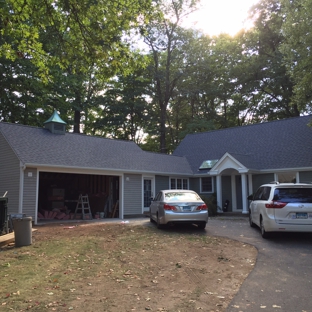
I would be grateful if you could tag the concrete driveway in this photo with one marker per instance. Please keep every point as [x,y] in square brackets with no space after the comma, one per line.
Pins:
[282,277]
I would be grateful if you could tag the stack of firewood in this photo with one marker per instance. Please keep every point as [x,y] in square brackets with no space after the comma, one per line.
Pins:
[56,214]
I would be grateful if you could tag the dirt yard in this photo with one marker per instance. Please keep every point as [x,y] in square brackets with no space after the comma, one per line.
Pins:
[141,268]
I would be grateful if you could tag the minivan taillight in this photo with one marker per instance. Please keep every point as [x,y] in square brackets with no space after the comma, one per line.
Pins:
[168,207]
[202,207]
[276,205]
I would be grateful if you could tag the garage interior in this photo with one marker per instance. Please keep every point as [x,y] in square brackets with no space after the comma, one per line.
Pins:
[60,196]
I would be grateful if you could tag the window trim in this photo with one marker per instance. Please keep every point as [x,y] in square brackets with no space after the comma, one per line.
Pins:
[182,183]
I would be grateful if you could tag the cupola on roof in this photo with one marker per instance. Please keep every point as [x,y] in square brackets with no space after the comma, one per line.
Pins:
[55,124]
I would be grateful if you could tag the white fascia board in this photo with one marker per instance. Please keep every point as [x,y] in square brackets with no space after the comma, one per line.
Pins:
[243,170]
[104,171]
[213,172]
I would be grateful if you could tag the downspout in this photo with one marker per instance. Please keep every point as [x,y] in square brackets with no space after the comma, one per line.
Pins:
[21,188]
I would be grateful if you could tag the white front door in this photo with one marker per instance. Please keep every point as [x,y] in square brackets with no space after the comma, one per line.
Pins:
[147,193]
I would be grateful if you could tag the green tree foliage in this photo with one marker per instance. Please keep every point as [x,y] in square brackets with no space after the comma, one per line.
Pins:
[297,50]
[193,104]
[73,46]
[265,80]
[123,109]
[21,101]
[162,36]
[84,31]
[77,56]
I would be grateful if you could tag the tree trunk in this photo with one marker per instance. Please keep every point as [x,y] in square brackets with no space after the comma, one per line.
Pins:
[163,112]
[77,118]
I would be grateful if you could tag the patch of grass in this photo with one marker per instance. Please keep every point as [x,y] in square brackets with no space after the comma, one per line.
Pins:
[43,274]
[38,275]
[88,268]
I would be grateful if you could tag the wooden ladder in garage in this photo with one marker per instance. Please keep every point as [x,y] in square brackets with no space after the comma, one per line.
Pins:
[83,207]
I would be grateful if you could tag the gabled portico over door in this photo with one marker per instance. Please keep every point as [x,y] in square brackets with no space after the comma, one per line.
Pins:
[230,166]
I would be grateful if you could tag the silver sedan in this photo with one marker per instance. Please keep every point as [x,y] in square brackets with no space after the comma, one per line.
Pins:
[178,206]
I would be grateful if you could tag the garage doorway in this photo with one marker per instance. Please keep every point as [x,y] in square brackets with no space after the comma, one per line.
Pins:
[59,193]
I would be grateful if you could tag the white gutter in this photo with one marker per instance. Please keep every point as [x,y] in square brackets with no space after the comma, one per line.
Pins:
[286,169]
[104,170]
[253,171]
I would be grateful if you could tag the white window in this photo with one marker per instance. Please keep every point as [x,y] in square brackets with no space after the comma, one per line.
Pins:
[286,177]
[206,185]
[178,184]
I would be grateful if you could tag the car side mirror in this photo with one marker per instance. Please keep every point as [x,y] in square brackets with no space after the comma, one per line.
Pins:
[250,197]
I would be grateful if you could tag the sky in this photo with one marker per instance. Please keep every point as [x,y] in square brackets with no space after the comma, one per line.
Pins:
[217,16]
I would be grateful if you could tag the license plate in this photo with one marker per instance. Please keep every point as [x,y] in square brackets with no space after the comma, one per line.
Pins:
[301,215]
[186,208]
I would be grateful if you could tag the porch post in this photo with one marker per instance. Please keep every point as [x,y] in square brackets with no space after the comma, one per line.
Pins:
[219,191]
[297,177]
[244,193]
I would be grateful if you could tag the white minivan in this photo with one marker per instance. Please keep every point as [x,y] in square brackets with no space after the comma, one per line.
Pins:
[281,207]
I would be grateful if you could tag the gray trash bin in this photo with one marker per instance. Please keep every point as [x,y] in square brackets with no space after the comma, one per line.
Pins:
[22,231]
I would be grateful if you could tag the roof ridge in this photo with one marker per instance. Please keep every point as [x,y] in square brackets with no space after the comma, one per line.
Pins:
[100,137]
[251,125]
[71,133]
[158,154]
[18,124]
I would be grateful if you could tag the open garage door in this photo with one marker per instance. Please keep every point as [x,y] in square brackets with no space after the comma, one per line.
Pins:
[59,194]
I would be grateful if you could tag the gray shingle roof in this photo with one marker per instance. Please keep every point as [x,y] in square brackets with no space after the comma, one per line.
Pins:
[271,145]
[39,146]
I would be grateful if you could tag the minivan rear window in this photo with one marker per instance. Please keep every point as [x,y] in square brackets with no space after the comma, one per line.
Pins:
[293,195]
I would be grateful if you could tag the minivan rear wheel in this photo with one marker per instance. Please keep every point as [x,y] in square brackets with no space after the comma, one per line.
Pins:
[264,234]
[250,220]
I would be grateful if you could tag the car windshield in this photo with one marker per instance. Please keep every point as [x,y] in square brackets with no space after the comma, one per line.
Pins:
[293,195]
[181,196]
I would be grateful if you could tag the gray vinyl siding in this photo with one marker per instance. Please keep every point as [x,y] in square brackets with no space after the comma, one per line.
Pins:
[9,175]
[305,176]
[161,183]
[194,184]
[30,193]
[259,179]
[133,194]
